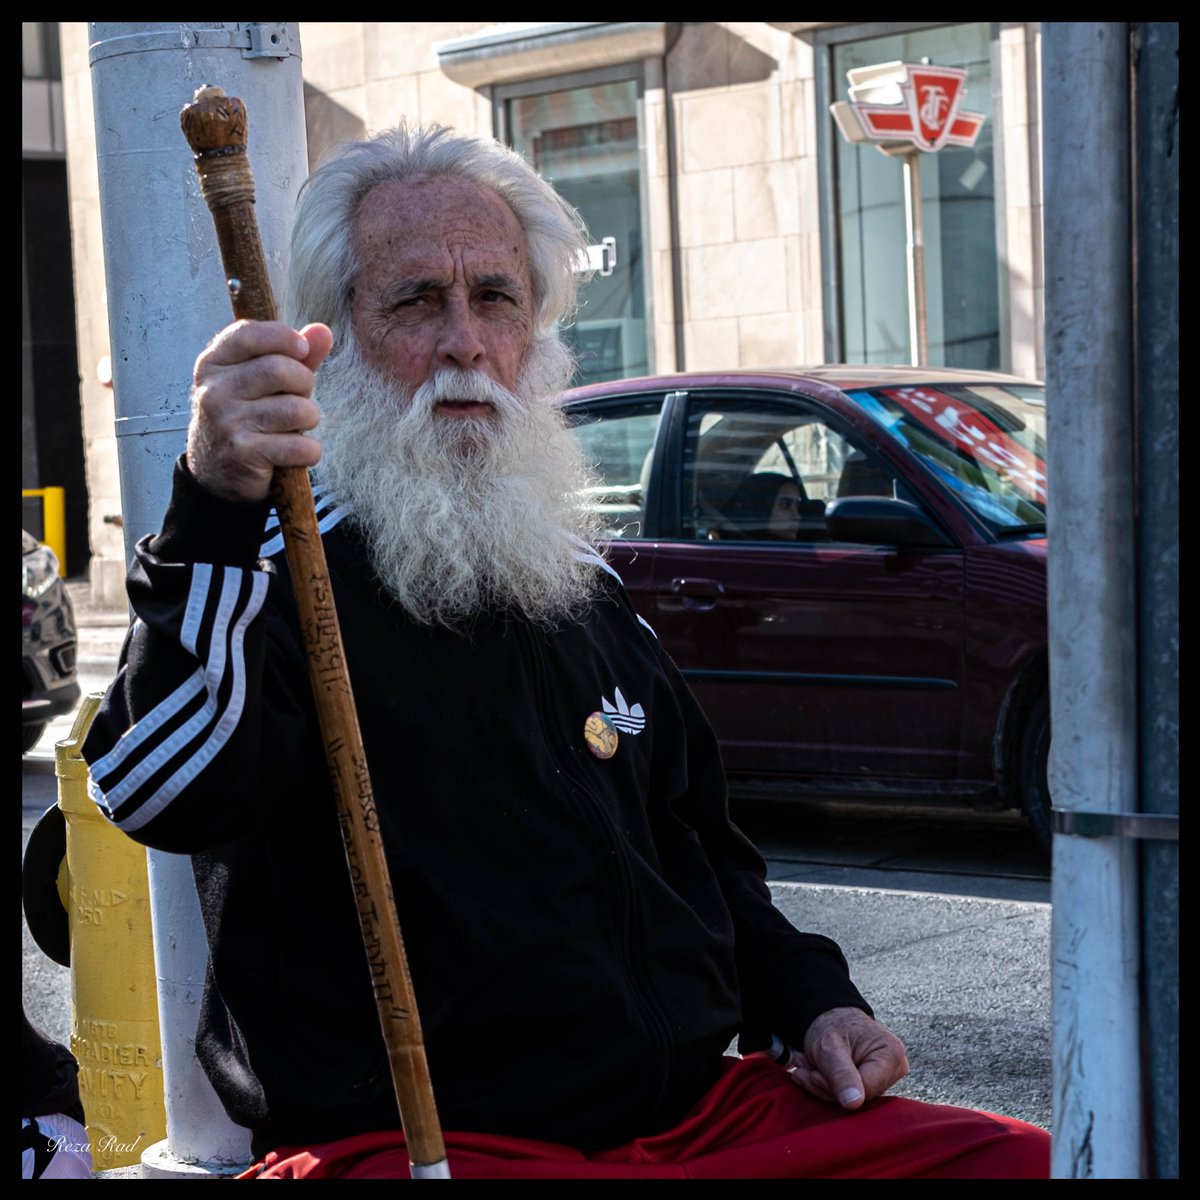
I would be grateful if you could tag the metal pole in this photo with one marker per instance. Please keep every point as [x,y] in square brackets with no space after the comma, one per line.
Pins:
[166,298]
[918,324]
[1157,175]
[1098,1118]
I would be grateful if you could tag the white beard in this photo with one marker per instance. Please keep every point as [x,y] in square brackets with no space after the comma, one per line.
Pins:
[462,515]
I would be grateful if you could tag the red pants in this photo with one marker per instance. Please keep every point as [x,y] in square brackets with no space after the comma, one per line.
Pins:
[753,1124]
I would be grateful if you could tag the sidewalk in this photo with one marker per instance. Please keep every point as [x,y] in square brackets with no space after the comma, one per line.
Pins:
[89,615]
[964,982]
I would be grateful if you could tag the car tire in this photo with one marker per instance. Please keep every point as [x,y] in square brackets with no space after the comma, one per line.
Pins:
[1032,777]
[31,735]
[45,916]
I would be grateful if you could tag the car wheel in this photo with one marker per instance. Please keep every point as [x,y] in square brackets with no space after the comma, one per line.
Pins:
[31,735]
[1032,780]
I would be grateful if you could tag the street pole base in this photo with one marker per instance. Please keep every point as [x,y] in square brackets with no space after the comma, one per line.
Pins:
[159,1163]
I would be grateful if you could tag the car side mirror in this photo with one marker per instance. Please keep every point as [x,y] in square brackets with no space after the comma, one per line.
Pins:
[879,521]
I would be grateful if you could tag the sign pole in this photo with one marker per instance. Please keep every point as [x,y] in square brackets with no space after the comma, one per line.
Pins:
[918,325]
[904,110]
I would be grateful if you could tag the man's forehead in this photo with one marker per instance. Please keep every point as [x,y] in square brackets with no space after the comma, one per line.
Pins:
[404,218]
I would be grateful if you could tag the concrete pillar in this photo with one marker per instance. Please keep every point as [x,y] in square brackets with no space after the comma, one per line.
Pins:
[1098,1121]
[166,298]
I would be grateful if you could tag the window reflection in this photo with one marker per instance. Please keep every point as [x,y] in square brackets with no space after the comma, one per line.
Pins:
[584,140]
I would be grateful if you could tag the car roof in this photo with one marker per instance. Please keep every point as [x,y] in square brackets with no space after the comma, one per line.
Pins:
[838,375]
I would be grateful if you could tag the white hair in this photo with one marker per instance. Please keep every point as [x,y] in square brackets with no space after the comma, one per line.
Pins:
[323,260]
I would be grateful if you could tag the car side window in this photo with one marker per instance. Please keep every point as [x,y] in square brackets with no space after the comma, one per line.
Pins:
[618,445]
[760,469]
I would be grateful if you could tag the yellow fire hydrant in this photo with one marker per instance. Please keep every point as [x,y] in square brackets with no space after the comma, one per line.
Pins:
[114,1001]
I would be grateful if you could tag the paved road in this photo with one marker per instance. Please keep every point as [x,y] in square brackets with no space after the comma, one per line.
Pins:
[900,847]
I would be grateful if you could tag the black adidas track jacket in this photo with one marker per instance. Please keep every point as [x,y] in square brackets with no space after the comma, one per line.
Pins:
[585,936]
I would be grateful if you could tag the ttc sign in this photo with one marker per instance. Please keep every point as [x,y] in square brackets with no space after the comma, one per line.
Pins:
[897,104]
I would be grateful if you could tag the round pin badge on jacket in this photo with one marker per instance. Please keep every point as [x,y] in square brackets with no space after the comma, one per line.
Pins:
[600,735]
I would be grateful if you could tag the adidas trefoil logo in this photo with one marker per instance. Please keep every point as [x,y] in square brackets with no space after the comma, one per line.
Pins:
[626,719]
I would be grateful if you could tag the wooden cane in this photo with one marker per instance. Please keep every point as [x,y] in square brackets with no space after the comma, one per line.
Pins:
[215,126]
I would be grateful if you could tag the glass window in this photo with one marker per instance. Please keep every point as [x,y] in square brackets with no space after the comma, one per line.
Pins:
[764,470]
[39,50]
[958,210]
[584,140]
[618,442]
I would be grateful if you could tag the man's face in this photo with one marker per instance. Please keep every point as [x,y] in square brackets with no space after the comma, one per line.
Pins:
[444,283]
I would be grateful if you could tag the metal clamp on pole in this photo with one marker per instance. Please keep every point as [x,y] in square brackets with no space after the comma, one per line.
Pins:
[255,39]
[1162,827]
[268,39]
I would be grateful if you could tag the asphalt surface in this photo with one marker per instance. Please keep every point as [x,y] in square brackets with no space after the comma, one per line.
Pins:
[956,964]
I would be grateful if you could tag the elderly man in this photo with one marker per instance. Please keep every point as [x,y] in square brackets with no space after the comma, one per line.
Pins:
[587,930]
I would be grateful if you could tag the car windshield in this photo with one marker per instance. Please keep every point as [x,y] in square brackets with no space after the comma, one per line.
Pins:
[986,443]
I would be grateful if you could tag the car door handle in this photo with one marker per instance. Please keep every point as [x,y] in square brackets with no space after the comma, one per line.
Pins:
[697,593]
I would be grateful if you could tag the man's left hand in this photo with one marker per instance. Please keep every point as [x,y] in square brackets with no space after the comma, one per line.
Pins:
[848,1058]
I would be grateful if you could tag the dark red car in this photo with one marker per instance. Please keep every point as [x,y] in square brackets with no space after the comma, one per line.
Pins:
[849,566]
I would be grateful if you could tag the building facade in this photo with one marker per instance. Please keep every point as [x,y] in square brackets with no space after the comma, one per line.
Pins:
[730,223]
[51,438]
